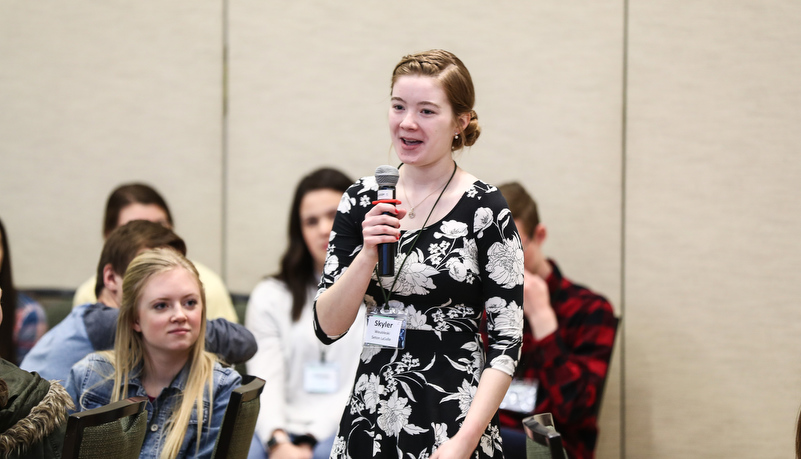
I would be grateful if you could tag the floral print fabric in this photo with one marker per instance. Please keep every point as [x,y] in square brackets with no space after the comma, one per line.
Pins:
[406,402]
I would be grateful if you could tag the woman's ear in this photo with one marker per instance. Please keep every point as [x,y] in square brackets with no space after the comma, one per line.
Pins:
[462,121]
[136,326]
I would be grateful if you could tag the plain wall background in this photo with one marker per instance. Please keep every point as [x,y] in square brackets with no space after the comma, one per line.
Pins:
[660,139]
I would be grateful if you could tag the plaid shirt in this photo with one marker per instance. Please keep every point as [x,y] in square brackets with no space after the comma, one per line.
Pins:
[570,364]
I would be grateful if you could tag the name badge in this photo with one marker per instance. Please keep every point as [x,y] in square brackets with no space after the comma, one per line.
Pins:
[321,378]
[521,397]
[385,330]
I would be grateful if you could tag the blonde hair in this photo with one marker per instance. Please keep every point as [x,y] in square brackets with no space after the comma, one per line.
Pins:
[455,80]
[129,351]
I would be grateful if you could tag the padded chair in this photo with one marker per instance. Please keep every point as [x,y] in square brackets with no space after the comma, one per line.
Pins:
[543,441]
[239,423]
[116,430]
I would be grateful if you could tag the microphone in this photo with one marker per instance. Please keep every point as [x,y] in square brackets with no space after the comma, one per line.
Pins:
[387,178]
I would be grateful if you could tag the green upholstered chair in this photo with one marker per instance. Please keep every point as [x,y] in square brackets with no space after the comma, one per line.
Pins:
[239,423]
[543,441]
[116,431]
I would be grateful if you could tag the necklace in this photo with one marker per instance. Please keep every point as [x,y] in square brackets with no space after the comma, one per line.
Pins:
[414,241]
[411,213]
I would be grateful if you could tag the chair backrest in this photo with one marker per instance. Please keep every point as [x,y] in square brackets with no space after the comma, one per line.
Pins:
[543,441]
[116,430]
[239,423]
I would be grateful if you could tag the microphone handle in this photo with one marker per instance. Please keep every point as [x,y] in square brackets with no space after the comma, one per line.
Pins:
[386,250]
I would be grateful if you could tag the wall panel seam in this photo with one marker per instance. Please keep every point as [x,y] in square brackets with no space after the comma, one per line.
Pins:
[623,184]
[224,149]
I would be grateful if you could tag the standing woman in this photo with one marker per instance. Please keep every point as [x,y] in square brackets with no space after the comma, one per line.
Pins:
[307,383]
[157,353]
[459,255]
[26,320]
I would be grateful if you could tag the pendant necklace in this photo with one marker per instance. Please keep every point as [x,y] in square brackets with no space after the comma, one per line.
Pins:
[411,213]
[414,241]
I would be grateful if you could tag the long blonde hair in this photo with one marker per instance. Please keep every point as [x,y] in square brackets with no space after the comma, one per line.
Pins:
[129,349]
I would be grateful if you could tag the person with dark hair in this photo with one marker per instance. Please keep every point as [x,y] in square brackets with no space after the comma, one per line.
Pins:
[138,201]
[33,413]
[135,201]
[425,387]
[91,327]
[26,320]
[567,343]
[290,358]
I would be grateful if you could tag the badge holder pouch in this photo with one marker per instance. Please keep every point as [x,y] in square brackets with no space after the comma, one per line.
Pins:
[321,377]
[521,397]
[386,328]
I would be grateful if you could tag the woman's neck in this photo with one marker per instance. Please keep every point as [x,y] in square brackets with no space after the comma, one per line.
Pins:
[432,197]
[160,370]
[424,176]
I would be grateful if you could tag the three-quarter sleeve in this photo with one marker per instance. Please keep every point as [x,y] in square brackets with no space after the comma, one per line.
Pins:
[345,241]
[501,267]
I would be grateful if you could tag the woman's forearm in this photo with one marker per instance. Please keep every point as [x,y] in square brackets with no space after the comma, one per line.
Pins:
[338,306]
[489,394]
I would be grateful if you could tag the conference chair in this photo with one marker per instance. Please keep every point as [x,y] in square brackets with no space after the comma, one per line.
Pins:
[116,430]
[239,423]
[543,441]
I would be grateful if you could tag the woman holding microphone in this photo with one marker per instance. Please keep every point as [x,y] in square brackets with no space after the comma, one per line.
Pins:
[425,387]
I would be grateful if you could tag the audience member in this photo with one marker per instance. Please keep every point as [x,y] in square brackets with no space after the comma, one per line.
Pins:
[26,321]
[91,327]
[307,383]
[33,413]
[159,352]
[137,201]
[567,342]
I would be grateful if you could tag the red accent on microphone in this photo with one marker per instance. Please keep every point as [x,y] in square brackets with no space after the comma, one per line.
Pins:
[388,201]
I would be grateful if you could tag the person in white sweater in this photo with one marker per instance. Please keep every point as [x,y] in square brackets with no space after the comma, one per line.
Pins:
[307,383]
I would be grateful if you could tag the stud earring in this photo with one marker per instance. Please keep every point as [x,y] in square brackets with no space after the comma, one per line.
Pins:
[456,136]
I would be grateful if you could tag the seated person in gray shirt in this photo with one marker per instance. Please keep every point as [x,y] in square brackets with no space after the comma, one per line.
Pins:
[91,327]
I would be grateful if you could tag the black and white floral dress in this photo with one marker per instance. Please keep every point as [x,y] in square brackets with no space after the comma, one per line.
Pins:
[406,402]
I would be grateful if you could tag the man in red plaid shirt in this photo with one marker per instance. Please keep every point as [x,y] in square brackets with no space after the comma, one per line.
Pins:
[568,336]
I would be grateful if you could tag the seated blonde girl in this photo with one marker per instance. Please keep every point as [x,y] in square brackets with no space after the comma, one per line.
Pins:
[157,353]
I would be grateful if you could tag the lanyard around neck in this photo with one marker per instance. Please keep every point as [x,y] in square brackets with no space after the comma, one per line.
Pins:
[384,292]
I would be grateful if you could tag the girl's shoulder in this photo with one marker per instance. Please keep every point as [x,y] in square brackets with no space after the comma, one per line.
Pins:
[359,197]
[97,362]
[480,194]
[226,379]
[362,186]
[479,188]
[226,376]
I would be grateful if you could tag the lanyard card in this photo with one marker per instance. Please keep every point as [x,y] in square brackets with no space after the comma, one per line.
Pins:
[521,397]
[386,330]
[321,377]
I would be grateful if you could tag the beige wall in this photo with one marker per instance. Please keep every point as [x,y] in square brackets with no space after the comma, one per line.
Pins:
[659,138]
[713,263]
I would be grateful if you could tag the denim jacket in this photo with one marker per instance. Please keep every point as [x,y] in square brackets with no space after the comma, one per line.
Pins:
[91,382]
[91,327]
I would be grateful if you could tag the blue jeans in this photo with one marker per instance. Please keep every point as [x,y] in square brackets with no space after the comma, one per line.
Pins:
[321,451]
